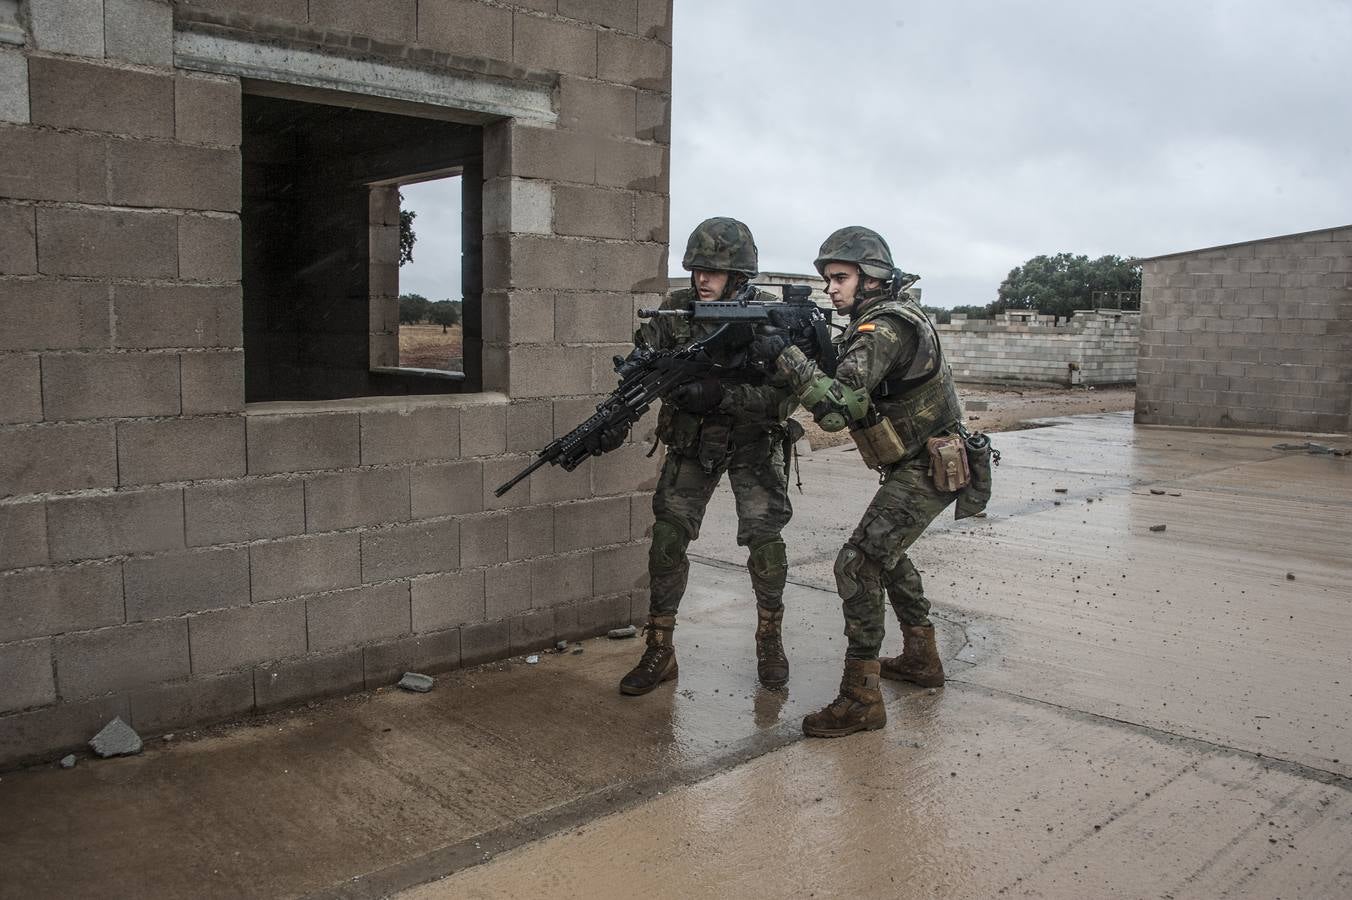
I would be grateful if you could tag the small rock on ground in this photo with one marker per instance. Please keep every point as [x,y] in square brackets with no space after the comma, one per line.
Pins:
[627,631]
[1158,527]
[417,682]
[532,659]
[68,762]
[116,739]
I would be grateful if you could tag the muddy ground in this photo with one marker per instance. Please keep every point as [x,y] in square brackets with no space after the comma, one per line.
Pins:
[1008,409]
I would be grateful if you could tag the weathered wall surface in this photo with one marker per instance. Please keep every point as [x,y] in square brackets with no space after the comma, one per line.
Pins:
[1255,335]
[1092,348]
[171,554]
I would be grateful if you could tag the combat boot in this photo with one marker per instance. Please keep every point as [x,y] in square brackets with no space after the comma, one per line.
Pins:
[919,661]
[858,708]
[658,663]
[772,666]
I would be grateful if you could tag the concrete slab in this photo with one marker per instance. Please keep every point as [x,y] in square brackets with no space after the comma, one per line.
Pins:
[1128,714]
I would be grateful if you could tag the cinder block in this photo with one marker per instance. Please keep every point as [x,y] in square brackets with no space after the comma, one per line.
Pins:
[417,549]
[177,316]
[621,569]
[544,153]
[13,87]
[384,664]
[209,248]
[410,435]
[448,600]
[637,61]
[100,242]
[597,108]
[67,26]
[507,590]
[307,565]
[125,522]
[177,583]
[23,535]
[638,268]
[550,371]
[180,450]
[594,317]
[40,603]
[73,167]
[212,382]
[625,470]
[284,683]
[532,630]
[654,19]
[530,426]
[517,205]
[483,430]
[480,644]
[198,701]
[466,28]
[600,615]
[101,385]
[638,167]
[244,510]
[111,659]
[18,234]
[385,20]
[553,485]
[591,523]
[22,399]
[518,317]
[293,11]
[530,533]
[359,497]
[552,46]
[358,616]
[43,734]
[545,263]
[139,31]
[654,117]
[299,443]
[591,212]
[207,110]
[174,175]
[447,489]
[561,579]
[498,471]
[65,93]
[483,540]
[229,638]
[610,13]
[26,675]
[641,517]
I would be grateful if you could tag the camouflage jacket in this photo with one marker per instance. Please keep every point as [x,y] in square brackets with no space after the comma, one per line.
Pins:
[753,406]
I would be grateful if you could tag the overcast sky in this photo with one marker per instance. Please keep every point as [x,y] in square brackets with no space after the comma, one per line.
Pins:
[976,135]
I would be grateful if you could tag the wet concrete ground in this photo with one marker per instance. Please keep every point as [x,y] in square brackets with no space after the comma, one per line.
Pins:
[1129,713]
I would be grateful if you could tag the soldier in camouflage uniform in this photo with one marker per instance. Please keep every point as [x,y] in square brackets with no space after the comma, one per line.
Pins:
[891,369]
[711,427]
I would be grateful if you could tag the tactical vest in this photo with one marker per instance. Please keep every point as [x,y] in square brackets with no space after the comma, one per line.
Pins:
[920,401]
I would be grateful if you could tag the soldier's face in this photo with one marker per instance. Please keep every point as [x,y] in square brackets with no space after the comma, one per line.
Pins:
[842,283]
[709,283]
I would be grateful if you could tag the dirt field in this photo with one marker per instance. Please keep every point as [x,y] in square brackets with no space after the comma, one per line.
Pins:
[1008,409]
[425,347]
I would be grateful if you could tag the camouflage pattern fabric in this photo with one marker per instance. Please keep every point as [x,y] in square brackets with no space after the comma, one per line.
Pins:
[722,244]
[859,245]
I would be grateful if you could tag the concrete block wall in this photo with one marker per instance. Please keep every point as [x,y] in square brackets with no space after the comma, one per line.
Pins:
[1091,348]
[1254,335]
[173,555]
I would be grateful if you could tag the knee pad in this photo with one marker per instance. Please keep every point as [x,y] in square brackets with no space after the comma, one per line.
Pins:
[667,553]
[854,572]
[768,559]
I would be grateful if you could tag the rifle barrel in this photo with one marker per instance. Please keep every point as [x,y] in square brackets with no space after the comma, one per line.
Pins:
[520,476]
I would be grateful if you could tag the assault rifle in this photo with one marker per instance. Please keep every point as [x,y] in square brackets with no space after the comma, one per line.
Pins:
[648,375]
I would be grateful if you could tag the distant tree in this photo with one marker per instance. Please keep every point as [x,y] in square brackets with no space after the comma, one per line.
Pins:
[972,312]
[413,308]
[406,236]
[937,316]
[445,313]
[1058,285]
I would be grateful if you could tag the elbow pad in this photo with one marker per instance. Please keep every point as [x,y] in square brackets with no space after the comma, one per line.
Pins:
[832,404]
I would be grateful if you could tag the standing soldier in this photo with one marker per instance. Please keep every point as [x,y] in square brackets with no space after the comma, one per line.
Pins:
[711,427]
[893,389]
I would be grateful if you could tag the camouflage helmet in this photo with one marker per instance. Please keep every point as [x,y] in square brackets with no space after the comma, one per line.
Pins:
[722,244]
[859,245]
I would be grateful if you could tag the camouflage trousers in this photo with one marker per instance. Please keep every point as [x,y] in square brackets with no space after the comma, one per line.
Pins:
[874,560]
[760,488]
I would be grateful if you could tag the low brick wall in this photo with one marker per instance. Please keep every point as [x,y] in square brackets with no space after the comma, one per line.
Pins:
[1091,348]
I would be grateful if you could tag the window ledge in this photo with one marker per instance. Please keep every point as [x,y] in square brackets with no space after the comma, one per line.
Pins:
[375,404]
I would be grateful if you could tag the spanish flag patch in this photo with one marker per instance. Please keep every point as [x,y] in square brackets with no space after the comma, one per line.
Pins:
[867,326]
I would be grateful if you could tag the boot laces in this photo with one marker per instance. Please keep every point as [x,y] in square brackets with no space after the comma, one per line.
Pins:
[770,647]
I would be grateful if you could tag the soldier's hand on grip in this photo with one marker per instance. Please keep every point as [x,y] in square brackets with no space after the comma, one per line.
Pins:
[699,397]
[768,344]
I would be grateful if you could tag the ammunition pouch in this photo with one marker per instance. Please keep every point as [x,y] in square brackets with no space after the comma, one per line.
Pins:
[879,446]
[948,463]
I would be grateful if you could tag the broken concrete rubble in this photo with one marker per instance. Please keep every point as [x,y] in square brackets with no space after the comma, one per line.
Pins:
[116,739]
[417,682]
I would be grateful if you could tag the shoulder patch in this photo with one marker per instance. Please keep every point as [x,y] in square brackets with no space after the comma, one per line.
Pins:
[867,326]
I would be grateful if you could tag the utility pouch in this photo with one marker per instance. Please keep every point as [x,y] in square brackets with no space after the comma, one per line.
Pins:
[879,446]
[948,463]
[715,439]
[981,459]
[677,428]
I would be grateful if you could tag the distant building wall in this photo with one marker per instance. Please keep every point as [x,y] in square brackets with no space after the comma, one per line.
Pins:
[1254,335]
[170,553]
[1091,348]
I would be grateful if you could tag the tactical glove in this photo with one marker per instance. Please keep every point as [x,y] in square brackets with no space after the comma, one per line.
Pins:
[768,345]
[699,397]
[608,439]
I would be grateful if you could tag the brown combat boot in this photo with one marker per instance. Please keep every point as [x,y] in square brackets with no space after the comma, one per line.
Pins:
[858,708]
[919,661]
[659,660]
[772,666]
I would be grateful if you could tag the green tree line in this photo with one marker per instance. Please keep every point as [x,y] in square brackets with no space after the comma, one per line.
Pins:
[415,309]
[1054,286]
